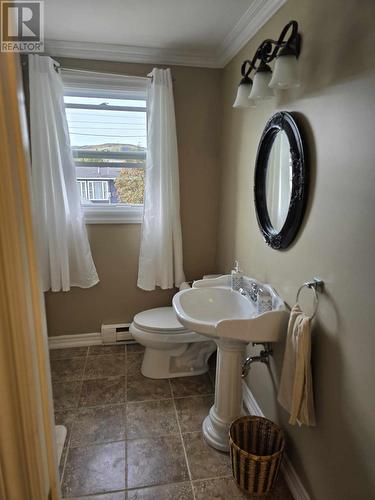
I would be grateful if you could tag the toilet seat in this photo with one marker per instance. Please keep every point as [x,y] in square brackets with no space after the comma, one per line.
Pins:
[161,320]
[162,326]
[146,337]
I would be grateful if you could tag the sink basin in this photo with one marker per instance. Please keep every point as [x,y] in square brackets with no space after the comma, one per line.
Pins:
[215,310]
[201,309]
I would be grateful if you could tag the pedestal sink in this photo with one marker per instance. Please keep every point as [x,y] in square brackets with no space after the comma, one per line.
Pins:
[213,309]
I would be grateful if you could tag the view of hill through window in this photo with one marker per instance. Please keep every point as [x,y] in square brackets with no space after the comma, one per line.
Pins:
[109,142]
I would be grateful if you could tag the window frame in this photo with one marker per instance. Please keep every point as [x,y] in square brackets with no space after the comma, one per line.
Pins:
[89,84]
[82,188]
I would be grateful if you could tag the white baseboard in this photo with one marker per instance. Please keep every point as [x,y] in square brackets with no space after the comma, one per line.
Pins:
[293,481]
[80,339]
[77,340]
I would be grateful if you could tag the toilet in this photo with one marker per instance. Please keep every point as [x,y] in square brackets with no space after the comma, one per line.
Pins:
[170,349]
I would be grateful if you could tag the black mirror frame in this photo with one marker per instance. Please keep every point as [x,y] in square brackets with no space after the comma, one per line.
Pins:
[282,239]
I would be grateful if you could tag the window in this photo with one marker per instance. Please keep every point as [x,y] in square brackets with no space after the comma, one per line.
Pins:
[107,120]
[97,191]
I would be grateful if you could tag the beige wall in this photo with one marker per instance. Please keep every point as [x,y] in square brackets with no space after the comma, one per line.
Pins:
[115,247]
[335,106]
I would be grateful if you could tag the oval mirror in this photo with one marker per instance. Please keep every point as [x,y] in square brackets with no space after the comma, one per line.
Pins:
[280,186]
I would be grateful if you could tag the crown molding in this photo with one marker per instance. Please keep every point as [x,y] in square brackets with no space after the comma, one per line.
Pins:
[128,53]
[249,24]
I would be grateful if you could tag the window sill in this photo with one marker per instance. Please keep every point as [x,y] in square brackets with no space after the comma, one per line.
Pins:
[115,214]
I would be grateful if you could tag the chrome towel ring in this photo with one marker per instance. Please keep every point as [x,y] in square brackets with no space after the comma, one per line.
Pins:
[316,284]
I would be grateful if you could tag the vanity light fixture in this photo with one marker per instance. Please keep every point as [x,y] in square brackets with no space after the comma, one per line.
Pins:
[262,78]
[244,89]
[285,73]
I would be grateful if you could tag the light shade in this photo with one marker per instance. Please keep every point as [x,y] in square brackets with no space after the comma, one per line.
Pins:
[285,73]
[242,98]
[261,89]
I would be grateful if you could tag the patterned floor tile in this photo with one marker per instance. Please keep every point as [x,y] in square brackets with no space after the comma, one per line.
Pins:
[108,406]
[192,411]
[155,461]
[66,395]
[146,389]
[107,365]
[121,495]
[217,489]
[94,469]
[135,347]
[69,352]
[103,391]
[65,370]
[98,425]
[205,461]
[133,364]
[95,350]
[181,491]
[151,419]
[192,386]
[227,489]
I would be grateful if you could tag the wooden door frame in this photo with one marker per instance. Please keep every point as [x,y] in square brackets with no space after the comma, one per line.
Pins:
[28,463]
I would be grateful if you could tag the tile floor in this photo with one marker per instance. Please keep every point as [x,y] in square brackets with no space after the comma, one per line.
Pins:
[132,438]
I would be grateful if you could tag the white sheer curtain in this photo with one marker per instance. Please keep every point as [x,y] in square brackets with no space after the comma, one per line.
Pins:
[62,244]
[160,259]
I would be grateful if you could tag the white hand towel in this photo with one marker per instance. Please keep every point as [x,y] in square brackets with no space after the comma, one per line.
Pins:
[296,388]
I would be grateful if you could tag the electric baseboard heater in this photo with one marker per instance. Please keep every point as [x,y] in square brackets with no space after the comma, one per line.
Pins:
[111,334]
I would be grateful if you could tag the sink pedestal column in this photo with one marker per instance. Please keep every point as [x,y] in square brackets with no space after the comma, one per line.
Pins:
[228,394]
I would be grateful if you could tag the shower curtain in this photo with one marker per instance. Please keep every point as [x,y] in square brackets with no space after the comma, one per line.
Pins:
[160,260]
[63,249]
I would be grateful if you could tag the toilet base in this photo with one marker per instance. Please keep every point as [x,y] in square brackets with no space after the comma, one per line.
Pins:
[184,360]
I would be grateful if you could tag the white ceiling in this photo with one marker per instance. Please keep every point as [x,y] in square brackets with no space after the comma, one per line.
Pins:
[197,32]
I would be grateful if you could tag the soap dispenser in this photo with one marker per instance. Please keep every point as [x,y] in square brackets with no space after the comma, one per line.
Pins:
[236,277]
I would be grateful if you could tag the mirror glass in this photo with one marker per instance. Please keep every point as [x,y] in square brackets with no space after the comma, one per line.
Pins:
[279,180]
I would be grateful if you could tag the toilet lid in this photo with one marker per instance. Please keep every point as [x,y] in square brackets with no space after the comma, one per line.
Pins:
[159,319]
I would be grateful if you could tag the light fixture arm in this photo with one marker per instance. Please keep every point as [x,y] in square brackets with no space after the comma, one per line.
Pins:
[246,68]
[292,44]
[285,50]
[281,46]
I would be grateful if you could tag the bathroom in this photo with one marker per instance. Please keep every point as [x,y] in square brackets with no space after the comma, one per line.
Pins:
[131,429]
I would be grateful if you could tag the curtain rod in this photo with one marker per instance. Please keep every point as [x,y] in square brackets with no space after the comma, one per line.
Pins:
[101,72]
[58,67]
[150,77]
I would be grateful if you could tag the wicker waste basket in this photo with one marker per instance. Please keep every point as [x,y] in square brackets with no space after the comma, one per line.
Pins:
[256,451]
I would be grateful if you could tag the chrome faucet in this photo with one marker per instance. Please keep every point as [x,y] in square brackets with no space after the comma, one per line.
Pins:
[263,357]
[251,291]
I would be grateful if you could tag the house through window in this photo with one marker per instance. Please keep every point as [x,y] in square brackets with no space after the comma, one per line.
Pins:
[107,120]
